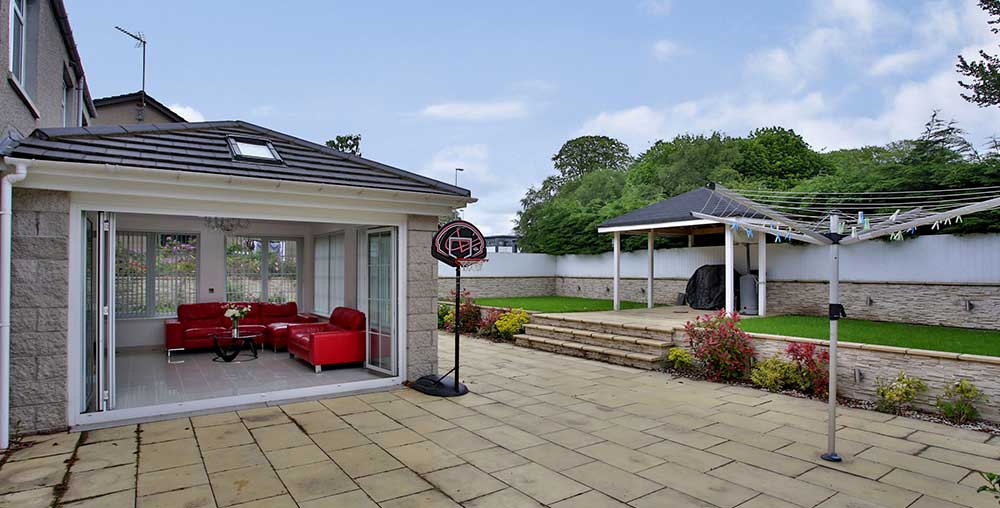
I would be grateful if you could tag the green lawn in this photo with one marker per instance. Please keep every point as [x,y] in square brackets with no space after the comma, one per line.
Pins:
[937,338]
[556,303]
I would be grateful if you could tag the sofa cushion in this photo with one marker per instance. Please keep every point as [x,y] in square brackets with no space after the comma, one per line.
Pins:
[200,315]
[347,319]
[279,312]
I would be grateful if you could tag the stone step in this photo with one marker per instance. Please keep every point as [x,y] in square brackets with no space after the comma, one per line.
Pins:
[631,330]
[623,342]
[565,347]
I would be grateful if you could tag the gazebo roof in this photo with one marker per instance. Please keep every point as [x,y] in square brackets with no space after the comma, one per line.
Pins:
[675,212]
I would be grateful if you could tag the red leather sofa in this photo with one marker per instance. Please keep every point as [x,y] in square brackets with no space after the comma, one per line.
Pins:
[197,322]
[341,340]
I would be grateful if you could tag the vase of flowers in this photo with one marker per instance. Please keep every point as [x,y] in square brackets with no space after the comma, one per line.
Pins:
[236,312]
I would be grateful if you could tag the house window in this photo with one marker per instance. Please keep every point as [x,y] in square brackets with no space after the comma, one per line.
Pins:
[262,269]
[253,149]
[328,275]
[17,39]
[154,273]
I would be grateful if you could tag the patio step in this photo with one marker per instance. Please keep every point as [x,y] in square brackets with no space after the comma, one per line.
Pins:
[606,340]
[604,354]
[663,333]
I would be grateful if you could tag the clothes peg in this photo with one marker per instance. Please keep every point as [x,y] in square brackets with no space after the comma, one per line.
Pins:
[840,228]
[854,231]
[958,219]
[861,217]
[936,225]
[868,225]
[892,218]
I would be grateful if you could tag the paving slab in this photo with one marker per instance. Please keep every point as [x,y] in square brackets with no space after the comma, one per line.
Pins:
[464,482]
[617,483]
[544,485]
[314,481]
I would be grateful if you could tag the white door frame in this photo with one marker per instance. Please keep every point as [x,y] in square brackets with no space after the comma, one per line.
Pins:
[80,202]
[363,303]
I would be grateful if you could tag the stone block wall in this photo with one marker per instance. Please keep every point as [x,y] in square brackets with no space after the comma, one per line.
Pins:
[502,287]
[39,303]
[921,303]
[421,298]
[632,289]
[937,369]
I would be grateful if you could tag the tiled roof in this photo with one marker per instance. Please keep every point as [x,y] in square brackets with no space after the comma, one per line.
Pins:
[203,147]
[679,208]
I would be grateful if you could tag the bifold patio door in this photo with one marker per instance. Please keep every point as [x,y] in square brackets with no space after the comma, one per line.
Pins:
[99,311]
[378,296]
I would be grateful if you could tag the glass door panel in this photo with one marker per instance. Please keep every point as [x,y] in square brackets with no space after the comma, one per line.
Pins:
[380,263]
[99,311]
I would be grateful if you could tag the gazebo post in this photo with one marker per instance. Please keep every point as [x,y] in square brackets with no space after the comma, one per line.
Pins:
[761,275]
[649,275]
[617,242]
[730,299]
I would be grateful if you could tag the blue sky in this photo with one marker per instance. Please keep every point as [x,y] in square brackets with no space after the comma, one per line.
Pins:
[497,87]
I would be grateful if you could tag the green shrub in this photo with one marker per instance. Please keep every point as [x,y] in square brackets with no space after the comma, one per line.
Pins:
[724,351]
[488,323]
[958,403]
[774,374]
[511,323]
[680,359]
[992,484]
[896,395]
[443,311]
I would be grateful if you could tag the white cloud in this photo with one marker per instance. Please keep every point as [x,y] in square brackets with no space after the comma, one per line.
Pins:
[637,126]
[664,49]
[863,14]
[495,110]
[189,113]
[775,65]
[473,159]
[657,7]
[896,63]
[806,60]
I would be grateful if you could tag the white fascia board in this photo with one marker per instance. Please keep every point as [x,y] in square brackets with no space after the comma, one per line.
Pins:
[659,225]
[103,178]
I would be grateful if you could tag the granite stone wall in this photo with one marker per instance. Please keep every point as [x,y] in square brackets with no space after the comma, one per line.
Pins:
[904,302]
[487,287]
[860,365]
[39,302]
[421,298]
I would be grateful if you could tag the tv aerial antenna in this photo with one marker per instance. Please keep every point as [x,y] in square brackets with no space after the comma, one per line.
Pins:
[140,42]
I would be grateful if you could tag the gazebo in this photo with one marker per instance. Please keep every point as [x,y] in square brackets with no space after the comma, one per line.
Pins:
[674,217]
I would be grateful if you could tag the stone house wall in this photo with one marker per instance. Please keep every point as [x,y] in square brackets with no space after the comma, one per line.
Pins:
[39,302]
[421,299]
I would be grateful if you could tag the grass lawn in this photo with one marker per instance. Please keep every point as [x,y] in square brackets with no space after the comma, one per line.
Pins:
[937,338]
[556,303]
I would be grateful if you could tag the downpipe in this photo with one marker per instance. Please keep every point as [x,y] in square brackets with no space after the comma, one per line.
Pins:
[6,210]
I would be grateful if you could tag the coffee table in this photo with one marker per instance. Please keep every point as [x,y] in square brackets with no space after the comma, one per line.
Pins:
[228,354]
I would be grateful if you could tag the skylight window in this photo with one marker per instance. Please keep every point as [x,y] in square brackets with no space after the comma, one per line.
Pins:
[253,149]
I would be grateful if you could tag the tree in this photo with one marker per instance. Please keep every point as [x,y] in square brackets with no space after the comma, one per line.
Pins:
[347,143]
[778,158]
[584,154]
[984,74]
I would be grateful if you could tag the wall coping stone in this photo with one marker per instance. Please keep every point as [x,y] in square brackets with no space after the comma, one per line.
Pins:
[800,281]
[993,360]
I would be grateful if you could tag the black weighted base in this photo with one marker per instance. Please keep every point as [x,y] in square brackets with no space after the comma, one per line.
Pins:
[443,388]
[831,457]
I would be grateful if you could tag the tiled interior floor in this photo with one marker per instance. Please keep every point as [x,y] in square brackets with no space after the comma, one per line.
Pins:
[145,378]
[538,430]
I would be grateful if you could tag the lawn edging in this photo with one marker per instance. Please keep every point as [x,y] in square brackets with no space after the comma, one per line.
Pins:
[937,369]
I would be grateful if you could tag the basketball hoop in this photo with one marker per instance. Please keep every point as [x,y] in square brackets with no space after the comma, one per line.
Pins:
[458,244]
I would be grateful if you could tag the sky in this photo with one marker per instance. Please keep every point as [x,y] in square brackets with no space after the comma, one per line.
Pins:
[497,87]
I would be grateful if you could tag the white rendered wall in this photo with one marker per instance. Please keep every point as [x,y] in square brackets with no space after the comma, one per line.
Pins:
[940,258]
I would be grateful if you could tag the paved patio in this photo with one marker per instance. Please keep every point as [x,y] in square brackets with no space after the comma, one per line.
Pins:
[540,430]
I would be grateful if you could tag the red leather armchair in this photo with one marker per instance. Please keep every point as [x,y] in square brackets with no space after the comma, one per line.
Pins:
[197,322]
[341,340]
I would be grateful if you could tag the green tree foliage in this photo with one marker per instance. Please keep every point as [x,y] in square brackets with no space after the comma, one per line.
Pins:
[584,154]
[347,143]
[778,158]
[561,216]
[985,73]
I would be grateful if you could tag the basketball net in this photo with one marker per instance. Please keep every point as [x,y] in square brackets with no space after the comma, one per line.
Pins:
[471,265]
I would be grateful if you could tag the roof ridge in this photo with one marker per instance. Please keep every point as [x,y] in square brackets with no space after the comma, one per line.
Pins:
[113,130]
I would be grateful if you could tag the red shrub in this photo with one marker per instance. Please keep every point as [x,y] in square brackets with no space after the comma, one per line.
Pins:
[469,314]
[488,322]
[814,362]
[723,349]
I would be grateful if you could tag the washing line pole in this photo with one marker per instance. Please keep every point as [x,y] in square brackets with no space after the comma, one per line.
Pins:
[835,312]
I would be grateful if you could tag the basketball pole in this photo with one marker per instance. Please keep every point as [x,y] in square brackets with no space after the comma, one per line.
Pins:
[458,319]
